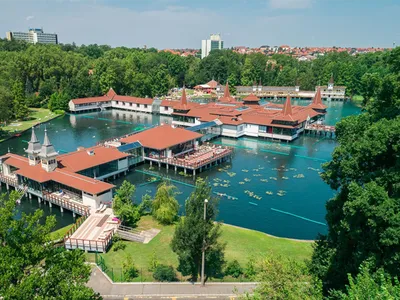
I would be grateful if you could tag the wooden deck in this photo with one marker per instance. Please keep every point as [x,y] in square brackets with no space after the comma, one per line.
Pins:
[320,129]
[93,233]
[206,155]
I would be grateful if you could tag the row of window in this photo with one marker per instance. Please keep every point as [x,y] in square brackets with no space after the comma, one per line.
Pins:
[130,104]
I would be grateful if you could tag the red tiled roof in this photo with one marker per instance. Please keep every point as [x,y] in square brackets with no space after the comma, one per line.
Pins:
[169,103]
[227,96]
[213,84]
[81,160]
[162,137]
[251,97]
[183,105]
[317,101]
[91,100]
[36,173]
[111,95]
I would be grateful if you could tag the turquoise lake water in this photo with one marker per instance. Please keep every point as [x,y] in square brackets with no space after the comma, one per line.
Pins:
[272,187]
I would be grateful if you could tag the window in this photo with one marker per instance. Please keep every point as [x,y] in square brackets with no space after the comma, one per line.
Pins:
[145,106]
[165,107]
[130,104]
[117,102]
[137,105]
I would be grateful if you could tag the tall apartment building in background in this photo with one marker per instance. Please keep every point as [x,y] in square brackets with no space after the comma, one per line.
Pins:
[213,43]
[34,35]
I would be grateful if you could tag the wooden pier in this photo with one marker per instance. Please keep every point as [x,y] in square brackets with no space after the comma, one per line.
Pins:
[197,161]
[320,129]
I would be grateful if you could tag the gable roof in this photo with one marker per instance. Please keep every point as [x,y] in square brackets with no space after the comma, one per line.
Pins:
[162,137]
[89,157]
[38,174]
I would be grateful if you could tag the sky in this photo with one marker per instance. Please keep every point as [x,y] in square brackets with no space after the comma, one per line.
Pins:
[184,23]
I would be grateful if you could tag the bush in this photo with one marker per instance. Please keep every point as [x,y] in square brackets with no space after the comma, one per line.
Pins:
[129,269]
[153,264]
[164,273]
[250,271]
[119,245]
[234,269]
[59,112]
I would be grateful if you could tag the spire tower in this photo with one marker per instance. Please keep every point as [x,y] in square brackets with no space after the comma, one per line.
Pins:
[33,149]
[48,154]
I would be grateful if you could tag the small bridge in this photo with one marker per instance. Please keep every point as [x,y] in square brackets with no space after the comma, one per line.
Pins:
[320,129]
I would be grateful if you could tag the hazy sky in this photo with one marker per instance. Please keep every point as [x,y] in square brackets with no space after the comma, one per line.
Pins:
[184,23]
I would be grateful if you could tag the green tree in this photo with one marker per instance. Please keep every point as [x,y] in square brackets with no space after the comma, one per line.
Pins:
[123,206]
[193,233]
[31,267]
[58,101]
[234,269]
[21,111]
[130,271]
[370,83]
[165,207]
[281,278]
[369,286]
[5,105]
[363,217]
[124,194]
[164,273]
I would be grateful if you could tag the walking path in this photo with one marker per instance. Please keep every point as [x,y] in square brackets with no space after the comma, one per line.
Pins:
[100,283]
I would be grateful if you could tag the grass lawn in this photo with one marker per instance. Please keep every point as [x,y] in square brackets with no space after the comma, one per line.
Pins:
[240,244]
[59,233]
[37,115]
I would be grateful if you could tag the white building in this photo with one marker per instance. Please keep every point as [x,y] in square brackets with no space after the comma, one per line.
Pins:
[34,36]
[215,42]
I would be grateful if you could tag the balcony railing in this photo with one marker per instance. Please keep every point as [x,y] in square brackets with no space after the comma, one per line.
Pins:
[66,203]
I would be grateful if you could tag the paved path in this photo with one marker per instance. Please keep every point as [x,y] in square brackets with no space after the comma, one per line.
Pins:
[155,290]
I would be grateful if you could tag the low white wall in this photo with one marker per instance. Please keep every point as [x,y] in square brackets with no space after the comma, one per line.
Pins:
[95,201]
[122,164]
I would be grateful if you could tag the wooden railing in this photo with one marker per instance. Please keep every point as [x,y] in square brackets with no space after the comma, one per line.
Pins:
[85,244]
[194,165]
[320,127]
[65,203]
[9,180]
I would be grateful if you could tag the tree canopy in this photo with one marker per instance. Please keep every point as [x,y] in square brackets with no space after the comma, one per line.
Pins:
[51,75]
[31,267]
[363,218]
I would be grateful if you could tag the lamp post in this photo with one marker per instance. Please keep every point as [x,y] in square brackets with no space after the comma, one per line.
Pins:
[203,250]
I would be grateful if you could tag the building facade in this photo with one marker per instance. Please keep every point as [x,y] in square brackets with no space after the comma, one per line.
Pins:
[33,36]
[214,43]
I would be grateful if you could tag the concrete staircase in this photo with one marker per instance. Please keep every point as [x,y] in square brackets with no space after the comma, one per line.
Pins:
[136,235]
[130,236]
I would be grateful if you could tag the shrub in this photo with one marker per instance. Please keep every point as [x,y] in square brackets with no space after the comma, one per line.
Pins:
[129,269]
[250,271]
[119,245]
[234,269]
[164,273]
[153,264]
[59,112]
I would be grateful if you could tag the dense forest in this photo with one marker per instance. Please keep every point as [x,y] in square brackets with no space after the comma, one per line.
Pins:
[51,75]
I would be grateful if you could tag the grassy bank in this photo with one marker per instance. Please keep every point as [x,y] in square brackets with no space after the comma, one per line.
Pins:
[241,244]
[59,233]
[37,115]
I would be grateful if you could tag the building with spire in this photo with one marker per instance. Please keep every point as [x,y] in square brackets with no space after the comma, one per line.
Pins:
[332,92]
[33,149]
[251,117]
[47,154]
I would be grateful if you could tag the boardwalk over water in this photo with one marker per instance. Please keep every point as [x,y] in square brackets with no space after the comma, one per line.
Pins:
[320,129]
